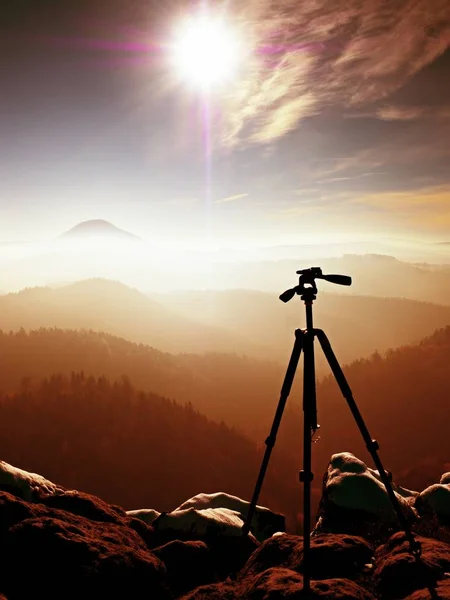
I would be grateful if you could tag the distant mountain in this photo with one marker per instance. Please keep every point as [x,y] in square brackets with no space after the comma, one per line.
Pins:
[97,228]
[244,322]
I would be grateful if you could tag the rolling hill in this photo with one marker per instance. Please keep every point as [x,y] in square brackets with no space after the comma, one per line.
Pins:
[115,308]
[356,325]
[403,395]
[240,390]
[244,322]
[372,274]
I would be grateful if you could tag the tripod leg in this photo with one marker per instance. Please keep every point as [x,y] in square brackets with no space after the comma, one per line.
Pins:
[372,446]
[270,441]
[309,427]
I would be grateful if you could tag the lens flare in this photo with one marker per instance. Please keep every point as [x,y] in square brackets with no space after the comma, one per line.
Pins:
[206,51]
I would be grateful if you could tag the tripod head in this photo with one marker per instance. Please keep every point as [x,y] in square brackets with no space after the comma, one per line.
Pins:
[307,288]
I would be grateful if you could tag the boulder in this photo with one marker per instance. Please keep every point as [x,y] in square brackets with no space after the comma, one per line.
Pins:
[148,515]
[442,589]
[331,555]
[264,523]
[224,590]
[93,559]
[189,565]
[277,551]
[196,524]
[281,583]
[86,505]
[219,528]
[354,500]
[29,486]
[435,500]
[397,573]
[334,555]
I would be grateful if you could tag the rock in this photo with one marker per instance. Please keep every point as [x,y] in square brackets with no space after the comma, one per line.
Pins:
[92,559]
[148,515]
[189,565]
[225,590]
[86,505]
[275,552]
[276,582]
[397,572]
[442,589]
[219,528]
[354,500]
[334,555]
[435,499]
[145,532]
[13,510]
[200,524]
[264,523]
[331,555]
[29,486]
[280,583]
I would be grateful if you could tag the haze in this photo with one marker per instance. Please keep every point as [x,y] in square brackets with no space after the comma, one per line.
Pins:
[148,226]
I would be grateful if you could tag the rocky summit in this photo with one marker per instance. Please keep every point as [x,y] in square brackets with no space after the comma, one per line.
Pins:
[57,543]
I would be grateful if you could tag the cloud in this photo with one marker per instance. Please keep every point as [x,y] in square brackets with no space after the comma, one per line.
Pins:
[312,55]
[411,113]
[231,198]
[428,207]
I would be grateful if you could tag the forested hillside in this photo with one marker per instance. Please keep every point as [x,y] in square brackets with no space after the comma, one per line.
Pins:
[404,399]
[241,390]
[237,321]
[403,395]
[111,306]
[132,448]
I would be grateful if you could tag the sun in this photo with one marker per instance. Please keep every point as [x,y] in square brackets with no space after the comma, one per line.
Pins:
[206,51]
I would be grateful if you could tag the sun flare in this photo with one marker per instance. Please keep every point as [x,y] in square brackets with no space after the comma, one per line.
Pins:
[206,51]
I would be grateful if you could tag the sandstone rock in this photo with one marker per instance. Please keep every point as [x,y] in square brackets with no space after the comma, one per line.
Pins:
[91,559]
[86,505]
[275,552]
[354,500]
[148,515]
[225,590]
[23,484]
[442,589]
[397,572]
[276,582]
[189,565]
[332,555]
[264,523]
[435,499]
[280,583]
[202,523]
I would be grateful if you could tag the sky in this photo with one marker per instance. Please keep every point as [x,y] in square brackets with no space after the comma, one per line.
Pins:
[335,128]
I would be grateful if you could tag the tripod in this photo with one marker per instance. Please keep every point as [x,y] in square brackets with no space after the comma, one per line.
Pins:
[304,340]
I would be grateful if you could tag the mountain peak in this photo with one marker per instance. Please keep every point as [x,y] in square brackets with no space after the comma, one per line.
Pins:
[97,228]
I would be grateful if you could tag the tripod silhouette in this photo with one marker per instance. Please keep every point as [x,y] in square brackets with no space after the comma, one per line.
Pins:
[304,340]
